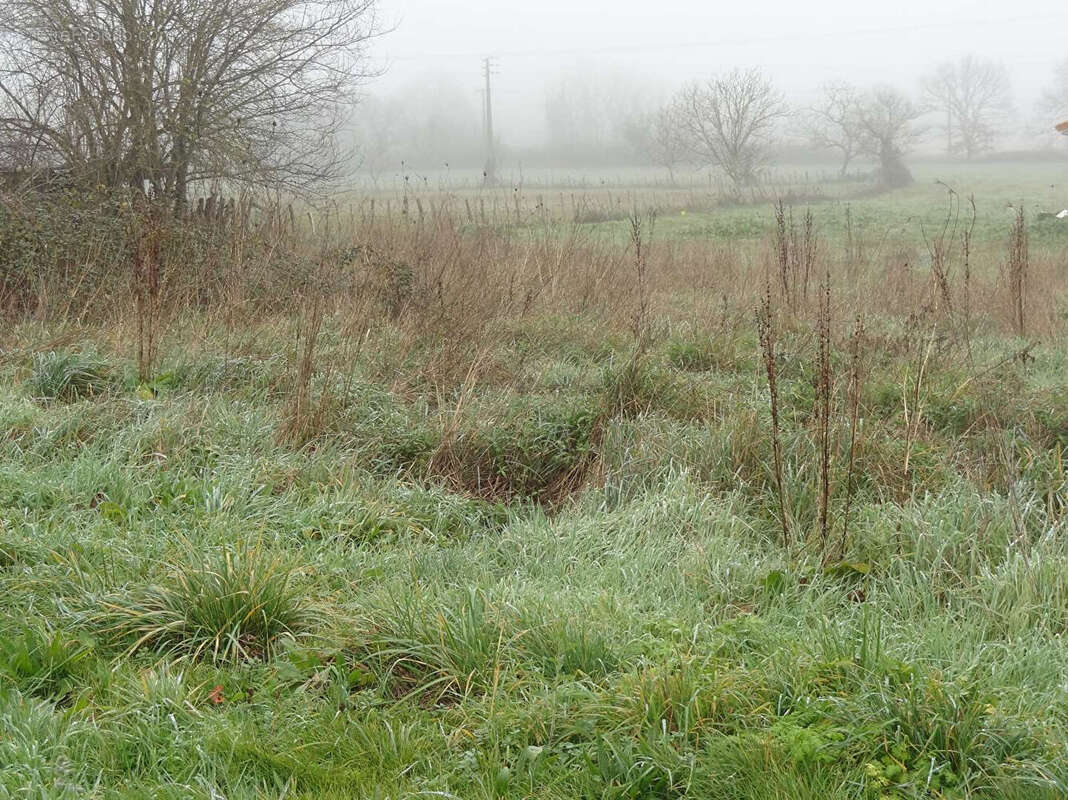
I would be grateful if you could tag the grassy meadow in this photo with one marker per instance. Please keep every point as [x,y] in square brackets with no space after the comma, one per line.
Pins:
[473,494]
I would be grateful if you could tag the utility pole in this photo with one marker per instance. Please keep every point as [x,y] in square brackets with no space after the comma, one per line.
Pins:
[489,173]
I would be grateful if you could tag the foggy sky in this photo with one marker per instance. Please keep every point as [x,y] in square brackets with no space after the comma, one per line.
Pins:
[662,45]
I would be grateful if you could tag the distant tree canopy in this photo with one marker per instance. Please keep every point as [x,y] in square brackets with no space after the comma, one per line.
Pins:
[886,123]
[1055,97]
[155,95]
[834,122]
[588,115]
[423,125]
[729,122]
[877,123]
[657,137]
[973,94]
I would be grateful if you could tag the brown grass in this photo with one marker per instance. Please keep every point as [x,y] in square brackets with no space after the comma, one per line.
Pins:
[767,333]
[450,288]
[1017,272]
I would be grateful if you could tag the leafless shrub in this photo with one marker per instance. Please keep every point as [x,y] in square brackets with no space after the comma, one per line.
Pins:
[728,122]
[966,237]
[939,247]
[444,286]
[913,399]
[796,248]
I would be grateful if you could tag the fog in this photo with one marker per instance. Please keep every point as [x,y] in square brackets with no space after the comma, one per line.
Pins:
[567,74]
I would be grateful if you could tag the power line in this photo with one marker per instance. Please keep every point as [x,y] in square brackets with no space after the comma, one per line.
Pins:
[736,41]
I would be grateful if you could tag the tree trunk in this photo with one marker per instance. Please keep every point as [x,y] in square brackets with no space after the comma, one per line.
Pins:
[846,158]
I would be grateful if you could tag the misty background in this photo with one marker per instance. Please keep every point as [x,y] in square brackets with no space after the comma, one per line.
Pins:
[570,79]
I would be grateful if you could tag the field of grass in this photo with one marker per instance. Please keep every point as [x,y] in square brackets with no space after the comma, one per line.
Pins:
[599,195]
[437,509]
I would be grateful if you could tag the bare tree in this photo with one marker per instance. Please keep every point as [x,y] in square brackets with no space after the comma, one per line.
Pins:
[656,136]
[378,136]
[429,123]
[1055,98]
[729,122]
[974,96]
[589,115]
[834,122]
[158,94]
[886,119]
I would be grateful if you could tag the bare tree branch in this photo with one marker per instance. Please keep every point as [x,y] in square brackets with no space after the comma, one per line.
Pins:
[1054,100]
[834,122]
[974,96]
[157,95]
[886,120]
[729,122]
[658,137]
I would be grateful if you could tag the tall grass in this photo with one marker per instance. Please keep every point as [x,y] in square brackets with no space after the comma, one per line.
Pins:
[69,376]
[232,604]
[766,327]
[537,509]
[1017,268]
